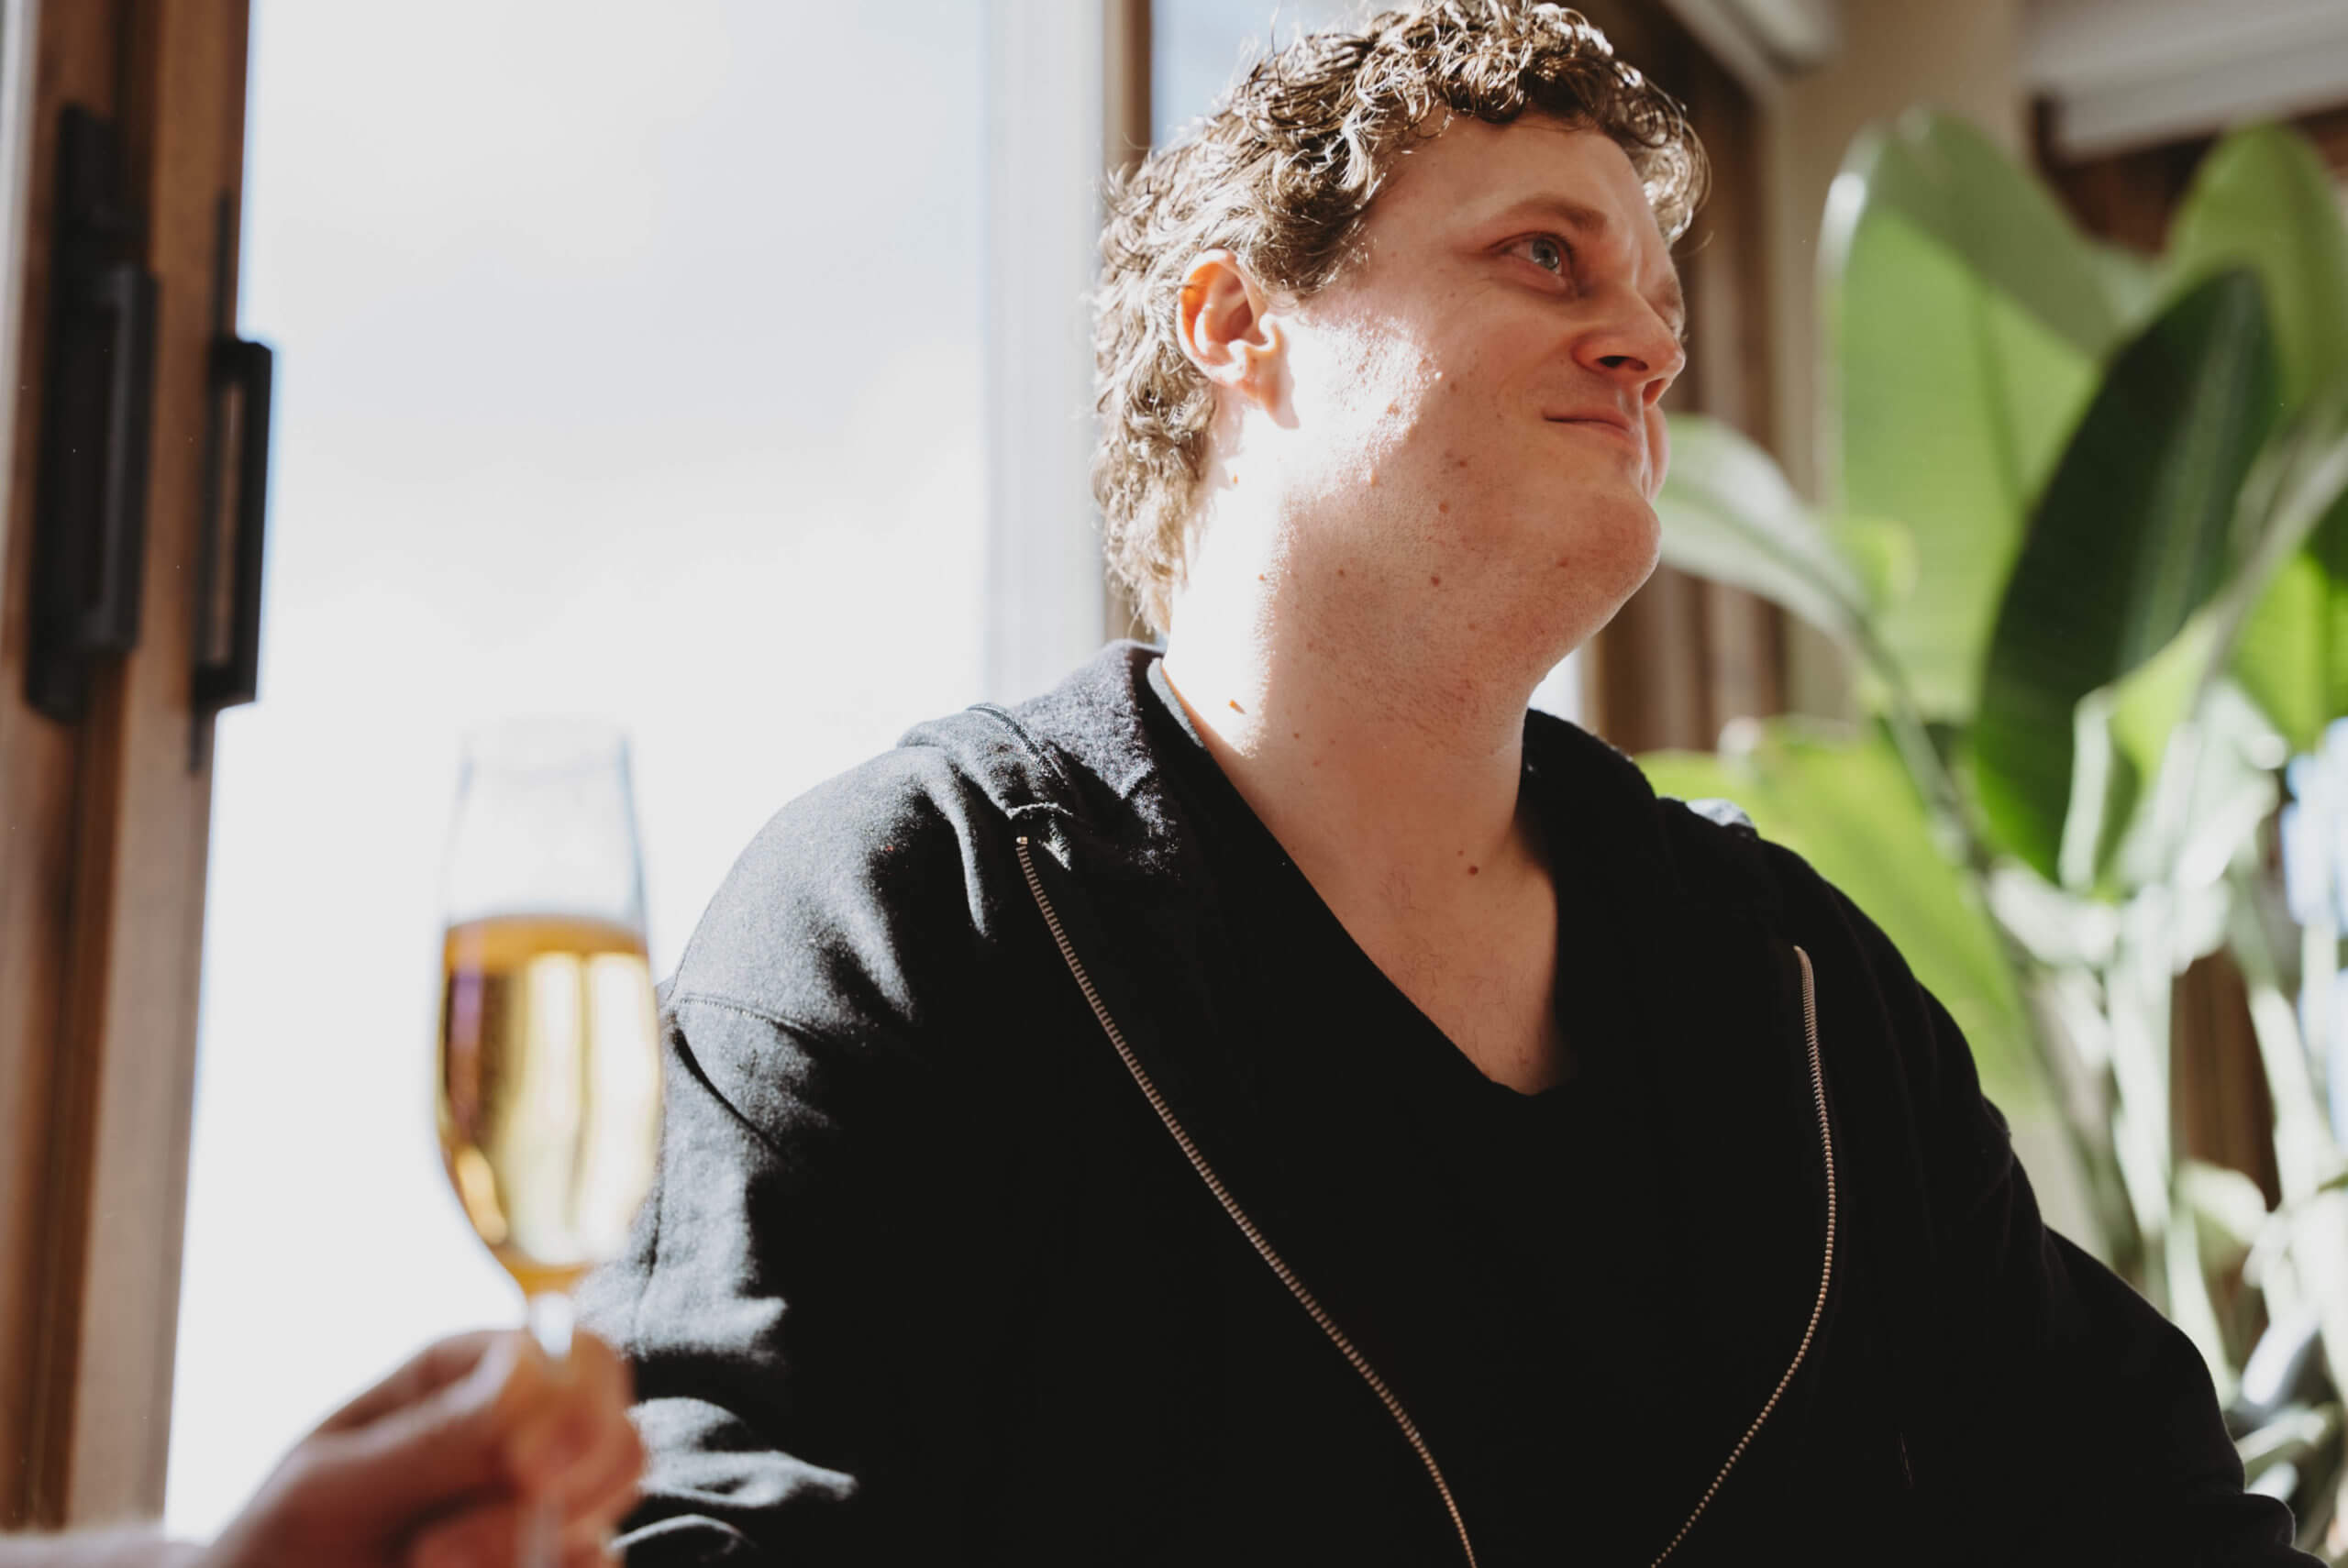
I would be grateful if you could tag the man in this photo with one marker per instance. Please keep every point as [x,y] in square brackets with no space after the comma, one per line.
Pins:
[1279,1101]
[434,1467]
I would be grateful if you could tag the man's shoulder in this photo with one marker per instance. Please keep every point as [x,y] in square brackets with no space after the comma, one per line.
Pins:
[1723,859]
[836,887]
[877,883]
[1703,851]
[1675,858]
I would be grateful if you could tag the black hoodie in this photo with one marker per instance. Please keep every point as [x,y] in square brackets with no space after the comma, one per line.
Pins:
[974,1240]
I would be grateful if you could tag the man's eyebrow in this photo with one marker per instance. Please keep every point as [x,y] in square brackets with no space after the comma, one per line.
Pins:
[1670,301]
[1572,213]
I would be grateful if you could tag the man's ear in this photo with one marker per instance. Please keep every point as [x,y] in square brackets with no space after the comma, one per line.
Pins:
[1224,332]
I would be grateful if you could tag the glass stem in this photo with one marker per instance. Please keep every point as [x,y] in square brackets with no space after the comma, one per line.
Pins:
[551,1317]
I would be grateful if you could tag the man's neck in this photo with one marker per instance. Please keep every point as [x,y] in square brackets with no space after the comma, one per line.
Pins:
[1391,775]
[1378,731]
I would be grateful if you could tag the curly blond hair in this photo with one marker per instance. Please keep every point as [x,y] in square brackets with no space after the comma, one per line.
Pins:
[1282,173]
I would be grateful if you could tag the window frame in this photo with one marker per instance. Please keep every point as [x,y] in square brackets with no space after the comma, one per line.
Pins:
[102,872]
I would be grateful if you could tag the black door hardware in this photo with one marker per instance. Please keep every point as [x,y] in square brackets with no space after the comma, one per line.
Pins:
[89,497]
[236,498]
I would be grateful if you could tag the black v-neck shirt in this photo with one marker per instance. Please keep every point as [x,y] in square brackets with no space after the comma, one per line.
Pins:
[1501,1258]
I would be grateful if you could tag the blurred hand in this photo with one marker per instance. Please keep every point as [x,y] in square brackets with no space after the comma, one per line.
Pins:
[436,1465]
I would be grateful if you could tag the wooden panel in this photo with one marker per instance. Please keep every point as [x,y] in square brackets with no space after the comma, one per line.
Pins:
[1126,129]
[1644,677]
[2223,1115]
[1746,671]
[98,1052]
[2125,197]
[40,766]
[183,111]
[2329,131]
[2129,196]
[1726,261]
[1127,134]
[2223,1112]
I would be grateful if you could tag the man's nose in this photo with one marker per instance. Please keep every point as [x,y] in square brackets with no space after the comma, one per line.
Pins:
[1638,350]
[1646,374]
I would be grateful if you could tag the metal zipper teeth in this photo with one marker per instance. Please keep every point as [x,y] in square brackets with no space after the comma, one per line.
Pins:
[1825,1271]
[1247,1228]
[1304,1298]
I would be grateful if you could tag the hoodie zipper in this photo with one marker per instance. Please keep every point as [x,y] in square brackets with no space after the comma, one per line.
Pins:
[1328,1325]
[1826,1269]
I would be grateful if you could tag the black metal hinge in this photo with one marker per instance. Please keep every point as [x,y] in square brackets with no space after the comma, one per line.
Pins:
[235,500]
[89,497]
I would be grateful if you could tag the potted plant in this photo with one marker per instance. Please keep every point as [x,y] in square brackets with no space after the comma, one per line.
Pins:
[2084,535]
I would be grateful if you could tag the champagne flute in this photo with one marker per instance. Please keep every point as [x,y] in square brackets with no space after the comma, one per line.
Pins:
[548,1099]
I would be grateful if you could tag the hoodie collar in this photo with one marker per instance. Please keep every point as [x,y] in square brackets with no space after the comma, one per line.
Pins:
[1077,762]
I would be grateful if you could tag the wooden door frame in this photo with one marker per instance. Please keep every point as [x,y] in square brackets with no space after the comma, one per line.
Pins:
[101,865]
[1126,132]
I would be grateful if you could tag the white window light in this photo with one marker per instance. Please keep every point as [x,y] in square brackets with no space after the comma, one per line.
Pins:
[1044,610]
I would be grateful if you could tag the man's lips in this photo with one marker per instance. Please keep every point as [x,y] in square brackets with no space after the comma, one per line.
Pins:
[1605,422]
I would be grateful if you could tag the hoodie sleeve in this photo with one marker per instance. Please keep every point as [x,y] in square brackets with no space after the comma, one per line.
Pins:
[813,1283]
[2074,1423]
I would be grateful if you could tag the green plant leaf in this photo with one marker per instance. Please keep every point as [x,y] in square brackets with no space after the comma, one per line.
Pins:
[2294,1433]
[2121,734]
[1883,555]
[1955,184]
[1728,513]
[2263,199]
[2287,650]
[2131,538]
[1964,321]
[2182,818]
[2125,731]
[2293,653]
[1845,803]
[2231,1208]
[2107,786]
[2233,792]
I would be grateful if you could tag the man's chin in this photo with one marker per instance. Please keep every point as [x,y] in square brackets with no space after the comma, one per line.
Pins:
[1601,522]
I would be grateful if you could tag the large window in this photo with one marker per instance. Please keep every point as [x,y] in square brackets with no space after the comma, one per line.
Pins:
[1196,45]
[628,363]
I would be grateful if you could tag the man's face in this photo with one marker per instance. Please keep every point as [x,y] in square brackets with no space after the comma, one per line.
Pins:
[1474,406]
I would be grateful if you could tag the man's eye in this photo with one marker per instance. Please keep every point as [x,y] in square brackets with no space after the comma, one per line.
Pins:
[1545,252]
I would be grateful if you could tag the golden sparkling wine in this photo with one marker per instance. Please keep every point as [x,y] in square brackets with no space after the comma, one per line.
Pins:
[549,1102]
